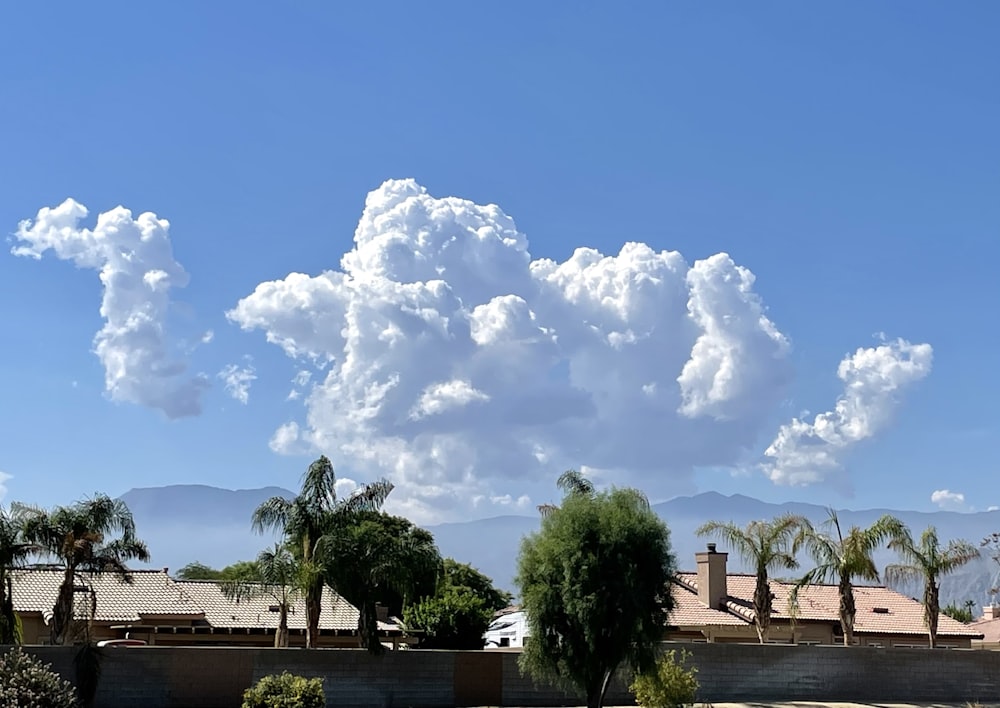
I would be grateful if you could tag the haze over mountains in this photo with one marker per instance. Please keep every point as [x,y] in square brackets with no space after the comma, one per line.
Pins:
[184,523]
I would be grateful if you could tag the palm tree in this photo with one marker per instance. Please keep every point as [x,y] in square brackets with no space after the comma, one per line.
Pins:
[842,558]
[304,519]
[929,562]
[275,574]
[767,546]
[571,482]
[375,554]
[79,539]
[13,551]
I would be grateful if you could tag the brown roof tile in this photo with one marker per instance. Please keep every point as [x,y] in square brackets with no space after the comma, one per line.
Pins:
[150,594]
[902,615]
[689,611]
[336,614]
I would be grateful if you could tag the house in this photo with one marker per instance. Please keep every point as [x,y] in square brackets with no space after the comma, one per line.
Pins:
[155,608]
[713,605]
[989,626]
[716,606]
[508,628]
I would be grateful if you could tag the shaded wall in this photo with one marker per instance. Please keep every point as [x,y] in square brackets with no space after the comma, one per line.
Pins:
[214,677]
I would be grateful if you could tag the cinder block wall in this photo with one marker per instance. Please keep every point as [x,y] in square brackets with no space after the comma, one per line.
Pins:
[215,677]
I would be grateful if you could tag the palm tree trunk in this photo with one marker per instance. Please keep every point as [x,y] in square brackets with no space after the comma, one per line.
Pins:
[62,613]
[314,601]
[762,607]
[848,610]
[9,633]
[281,636]
[368,627]
[932,608]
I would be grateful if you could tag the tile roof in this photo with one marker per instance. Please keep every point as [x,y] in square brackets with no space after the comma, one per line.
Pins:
[150,594]
[153,596]
[897,614]
[336,614]
[689,610]
[989,628]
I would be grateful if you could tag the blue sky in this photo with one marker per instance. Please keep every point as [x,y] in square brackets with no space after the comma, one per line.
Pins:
[845,155]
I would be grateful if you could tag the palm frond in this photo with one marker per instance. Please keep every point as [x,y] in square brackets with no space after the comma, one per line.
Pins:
[370,497]
[897,574]
[573,482]
[271,515]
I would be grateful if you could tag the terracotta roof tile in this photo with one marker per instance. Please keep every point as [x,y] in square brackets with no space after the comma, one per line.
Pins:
[336,613]
[150,594]
[153,596]
[989,628]
[689,610]
[901,615]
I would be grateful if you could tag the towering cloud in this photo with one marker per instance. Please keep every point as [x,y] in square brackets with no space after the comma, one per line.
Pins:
[874,379]
[137,270]
[453,362]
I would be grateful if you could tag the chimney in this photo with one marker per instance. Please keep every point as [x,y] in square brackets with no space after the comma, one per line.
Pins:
[712,590]
[991,612]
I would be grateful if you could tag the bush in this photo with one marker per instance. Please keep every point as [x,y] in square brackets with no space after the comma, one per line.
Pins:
[285,691]
[669,685]
[26,682]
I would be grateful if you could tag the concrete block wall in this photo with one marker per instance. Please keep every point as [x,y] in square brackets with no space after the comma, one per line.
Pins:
[215,677]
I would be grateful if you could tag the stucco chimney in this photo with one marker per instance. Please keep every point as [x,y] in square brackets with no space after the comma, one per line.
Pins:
[712,589]
[991,612]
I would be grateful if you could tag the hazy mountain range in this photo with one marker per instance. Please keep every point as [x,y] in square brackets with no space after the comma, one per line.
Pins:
[184,523]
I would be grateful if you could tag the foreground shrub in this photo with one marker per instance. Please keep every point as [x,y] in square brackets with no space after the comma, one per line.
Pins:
[669,685]
[26,682]
[285,691]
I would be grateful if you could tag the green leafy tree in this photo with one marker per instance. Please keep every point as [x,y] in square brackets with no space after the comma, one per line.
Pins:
[840,558]
[453,618]
[455,574]
[458,614]
[306,518]
[198,571]
[928,561]
[595,585]
[275,574]
[368,554]
[961,614]
[767,546]
[13,551]
[94,535]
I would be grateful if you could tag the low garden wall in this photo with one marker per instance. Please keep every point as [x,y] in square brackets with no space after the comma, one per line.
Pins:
[215,677]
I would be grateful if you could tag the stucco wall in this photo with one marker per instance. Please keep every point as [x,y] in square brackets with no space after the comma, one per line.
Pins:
[214,677]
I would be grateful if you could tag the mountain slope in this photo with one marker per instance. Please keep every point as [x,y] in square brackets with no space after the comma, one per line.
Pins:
[184,523]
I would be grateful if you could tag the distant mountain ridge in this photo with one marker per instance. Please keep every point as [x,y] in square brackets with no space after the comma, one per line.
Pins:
[184,523]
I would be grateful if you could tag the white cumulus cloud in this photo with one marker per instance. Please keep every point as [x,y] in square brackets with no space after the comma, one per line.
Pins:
[948,500]
[4,478]
[874,378]
[135,262]
[455,364]
[238,379]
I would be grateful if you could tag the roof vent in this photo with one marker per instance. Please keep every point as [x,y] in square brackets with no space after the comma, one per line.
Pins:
[880,610]
[273,608]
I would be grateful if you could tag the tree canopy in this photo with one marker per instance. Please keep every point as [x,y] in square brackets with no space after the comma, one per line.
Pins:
[368,554]
[459,612]
[91,536]
[306,518]
[595,584]
[929,561]
[840,558]
[767,546]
